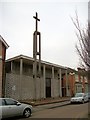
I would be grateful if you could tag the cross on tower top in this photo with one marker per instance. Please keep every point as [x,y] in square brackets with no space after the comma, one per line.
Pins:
[37,19]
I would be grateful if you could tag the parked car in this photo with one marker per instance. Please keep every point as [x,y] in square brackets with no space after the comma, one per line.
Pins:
[88,95]
[79,98]
[11,108]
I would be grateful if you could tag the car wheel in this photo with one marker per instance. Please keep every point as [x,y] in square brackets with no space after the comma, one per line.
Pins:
[70,102]
[83,101]
[27,113]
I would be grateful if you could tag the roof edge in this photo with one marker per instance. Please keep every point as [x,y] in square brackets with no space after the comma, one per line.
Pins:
[19,57]
[4,42]
[30,58]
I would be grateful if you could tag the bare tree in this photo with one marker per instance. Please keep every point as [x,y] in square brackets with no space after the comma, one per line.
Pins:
[83,48]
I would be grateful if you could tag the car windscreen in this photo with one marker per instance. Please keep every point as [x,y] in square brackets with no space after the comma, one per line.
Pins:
[79,95]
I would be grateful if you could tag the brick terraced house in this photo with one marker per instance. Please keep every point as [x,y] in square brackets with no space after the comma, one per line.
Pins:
[3,47]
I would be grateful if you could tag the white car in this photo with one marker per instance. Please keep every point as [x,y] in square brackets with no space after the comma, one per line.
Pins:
[11,108]
[79,97]
[88,94]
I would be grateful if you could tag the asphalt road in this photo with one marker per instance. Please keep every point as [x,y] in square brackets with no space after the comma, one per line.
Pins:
[68,111]
[59,110]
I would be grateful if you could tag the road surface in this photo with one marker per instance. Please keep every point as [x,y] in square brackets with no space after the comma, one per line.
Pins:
[59,110]
[68,111]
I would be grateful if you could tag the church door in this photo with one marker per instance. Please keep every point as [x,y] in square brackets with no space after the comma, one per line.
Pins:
[48,87]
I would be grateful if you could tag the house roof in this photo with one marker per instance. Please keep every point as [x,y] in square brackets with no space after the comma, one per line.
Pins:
[4,42]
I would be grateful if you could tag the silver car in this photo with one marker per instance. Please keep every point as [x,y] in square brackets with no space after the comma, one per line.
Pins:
[11,108]
[79,97]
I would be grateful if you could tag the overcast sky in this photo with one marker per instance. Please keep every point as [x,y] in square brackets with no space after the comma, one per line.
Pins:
[58,37]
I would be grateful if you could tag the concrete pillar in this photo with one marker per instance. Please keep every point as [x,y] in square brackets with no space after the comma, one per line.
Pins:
[21,66]
[34,78]
[11,66]
[21,72]
[66,74]
[44,81]
[52,83]
[39,53]
[60,83]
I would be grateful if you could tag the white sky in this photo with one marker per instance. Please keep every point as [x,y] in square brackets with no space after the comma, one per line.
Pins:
[58,37]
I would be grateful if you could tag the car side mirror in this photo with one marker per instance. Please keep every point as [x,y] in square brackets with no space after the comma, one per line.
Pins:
[18,104]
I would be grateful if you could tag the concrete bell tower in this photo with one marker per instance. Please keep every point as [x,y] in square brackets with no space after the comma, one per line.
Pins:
[36,52]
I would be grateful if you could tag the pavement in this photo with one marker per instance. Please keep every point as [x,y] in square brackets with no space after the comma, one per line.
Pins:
[46,101]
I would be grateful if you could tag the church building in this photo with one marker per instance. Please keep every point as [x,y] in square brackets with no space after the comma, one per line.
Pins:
[32,78]
[55,80]
[20,82]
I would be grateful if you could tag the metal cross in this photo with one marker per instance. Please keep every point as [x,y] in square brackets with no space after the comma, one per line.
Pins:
[36,17]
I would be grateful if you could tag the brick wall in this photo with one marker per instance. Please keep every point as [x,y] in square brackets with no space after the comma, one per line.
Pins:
[0,78]
[2,68]
[24,87]
[72,84]
[19,88]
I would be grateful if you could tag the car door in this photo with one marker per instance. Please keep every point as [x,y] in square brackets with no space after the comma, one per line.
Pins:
[85,98]
[3,109]
[12,108]
[0,109]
